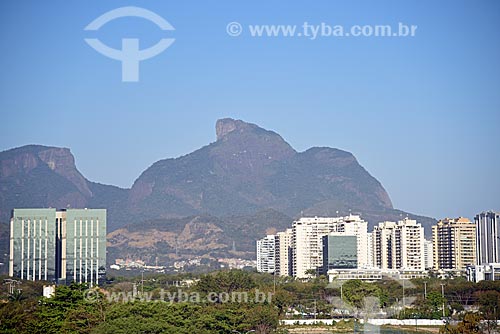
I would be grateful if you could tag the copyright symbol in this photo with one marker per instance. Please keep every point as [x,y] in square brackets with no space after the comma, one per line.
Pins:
[234,29]
[91,296]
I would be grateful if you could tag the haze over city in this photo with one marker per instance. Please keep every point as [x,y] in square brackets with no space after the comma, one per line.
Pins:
[421,114]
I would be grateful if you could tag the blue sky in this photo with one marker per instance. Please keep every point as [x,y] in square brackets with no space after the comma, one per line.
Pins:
[421,114]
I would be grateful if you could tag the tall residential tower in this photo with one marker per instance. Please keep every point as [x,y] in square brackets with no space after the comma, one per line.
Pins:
[454,243]
[399,245]
[266,254]
[487,234]
[283,251]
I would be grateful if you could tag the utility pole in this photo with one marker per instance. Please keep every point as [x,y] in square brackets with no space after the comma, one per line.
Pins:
[274,280]
[315,309]
[142,283]
[342,299]
[404,301]
[12,284]
[425,289]
[442,294]
[134,290]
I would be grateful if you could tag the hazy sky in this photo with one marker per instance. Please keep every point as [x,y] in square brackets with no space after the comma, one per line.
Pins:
[421,114]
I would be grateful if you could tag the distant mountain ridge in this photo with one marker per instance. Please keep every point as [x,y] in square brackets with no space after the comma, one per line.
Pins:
[249,169]
[41,176]
[245,171]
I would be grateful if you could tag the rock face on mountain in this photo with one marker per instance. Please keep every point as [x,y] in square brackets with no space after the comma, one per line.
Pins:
[249,169]
[245,170]
[41,176]
[166,240]
[248,182]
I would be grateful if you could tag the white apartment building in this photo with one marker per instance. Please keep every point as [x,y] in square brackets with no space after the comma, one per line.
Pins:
[428,254]
[382,241]
[354,225]
[307,244]
[399,245]
[283,249]
[266,254]
[454,242]
[369,237]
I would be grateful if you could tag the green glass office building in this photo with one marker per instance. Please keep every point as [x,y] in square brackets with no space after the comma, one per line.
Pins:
[339,252]
[60,246]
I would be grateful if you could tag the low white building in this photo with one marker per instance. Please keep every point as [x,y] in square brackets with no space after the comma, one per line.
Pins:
[375,274]
[49,291]
[483,272]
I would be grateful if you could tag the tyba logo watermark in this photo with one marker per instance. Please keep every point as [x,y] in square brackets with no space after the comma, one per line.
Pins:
[130,55]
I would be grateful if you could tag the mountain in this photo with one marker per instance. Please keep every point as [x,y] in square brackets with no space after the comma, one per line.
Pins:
[249,169]
[248,182]
[41,176]
[169,239]
[229,176]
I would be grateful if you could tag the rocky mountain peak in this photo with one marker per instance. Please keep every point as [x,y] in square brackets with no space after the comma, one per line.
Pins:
[26,159]
[236,137]
[225,126]
[61,161]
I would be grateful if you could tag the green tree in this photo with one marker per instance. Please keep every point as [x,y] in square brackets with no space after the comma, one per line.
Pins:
[471,324]
[263,319]
[16,296]
[355,292]
[282,299]
[434,303]
[489,302]
[51,315]
[311,272]
[461,290]
[15,316]
[225,281]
